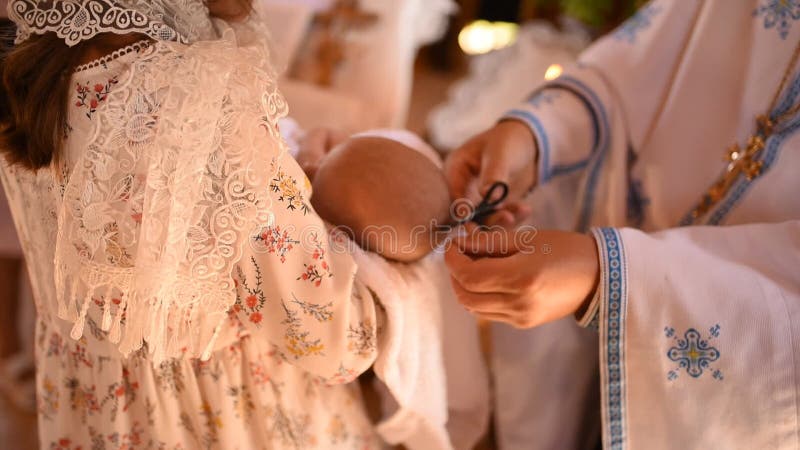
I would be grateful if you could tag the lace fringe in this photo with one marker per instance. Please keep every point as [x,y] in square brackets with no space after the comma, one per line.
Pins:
[146,321]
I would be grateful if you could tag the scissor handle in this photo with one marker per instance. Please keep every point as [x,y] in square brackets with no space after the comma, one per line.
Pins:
[487,199]
[487,206]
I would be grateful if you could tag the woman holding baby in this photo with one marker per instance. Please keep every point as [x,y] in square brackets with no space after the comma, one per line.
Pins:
[188,294]
[689,268]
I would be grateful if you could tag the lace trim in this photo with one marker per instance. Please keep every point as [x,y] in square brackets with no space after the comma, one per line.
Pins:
[74,21]
[137,47]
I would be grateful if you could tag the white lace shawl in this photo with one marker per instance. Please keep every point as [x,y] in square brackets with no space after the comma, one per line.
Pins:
[74,21]
[164,194]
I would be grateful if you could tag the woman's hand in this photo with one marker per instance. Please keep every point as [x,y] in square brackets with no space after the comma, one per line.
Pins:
[316,144]
[507,152]
[523,280]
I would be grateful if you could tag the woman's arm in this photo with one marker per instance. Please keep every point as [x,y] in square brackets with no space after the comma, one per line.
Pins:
[301,292]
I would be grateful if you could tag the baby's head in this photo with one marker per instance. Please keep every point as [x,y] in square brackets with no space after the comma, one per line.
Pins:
[386,188]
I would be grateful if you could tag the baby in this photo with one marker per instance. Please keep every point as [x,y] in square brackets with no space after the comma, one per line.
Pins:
[386,189]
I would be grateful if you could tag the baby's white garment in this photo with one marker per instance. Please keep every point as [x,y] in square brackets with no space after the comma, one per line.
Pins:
[431,365]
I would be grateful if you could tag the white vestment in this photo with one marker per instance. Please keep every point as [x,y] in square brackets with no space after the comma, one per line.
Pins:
[698,318]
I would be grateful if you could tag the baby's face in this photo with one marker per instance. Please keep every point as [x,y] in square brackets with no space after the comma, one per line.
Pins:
[389,197]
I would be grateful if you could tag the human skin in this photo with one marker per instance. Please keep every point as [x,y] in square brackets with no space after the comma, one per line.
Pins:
[524,289]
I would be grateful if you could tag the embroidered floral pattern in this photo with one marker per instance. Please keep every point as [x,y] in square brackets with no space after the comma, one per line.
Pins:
[91,95]
[779,14]
[361,339]
[693,353]
[288,192]
[254,299]
[321,313]
[639,22]
[298,341]
[316,272]
[274,240]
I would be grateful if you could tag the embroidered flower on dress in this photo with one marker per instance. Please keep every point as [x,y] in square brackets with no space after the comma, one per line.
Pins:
[90,97]
[288,192]
[316,272]
[274,240]
[779,14]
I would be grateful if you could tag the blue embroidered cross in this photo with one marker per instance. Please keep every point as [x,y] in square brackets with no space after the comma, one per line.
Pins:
[694,353]
[640,21]
[779,12]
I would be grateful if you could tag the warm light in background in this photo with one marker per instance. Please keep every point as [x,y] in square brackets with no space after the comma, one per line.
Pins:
[553,72]
[482,36]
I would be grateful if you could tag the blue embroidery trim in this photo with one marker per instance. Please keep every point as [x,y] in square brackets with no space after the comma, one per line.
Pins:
[639,22]
[602,142]
[693,353]
[767,156]
[614,285]
[543,96]
[541,137]
[546,95]
[564,169]
[779,14]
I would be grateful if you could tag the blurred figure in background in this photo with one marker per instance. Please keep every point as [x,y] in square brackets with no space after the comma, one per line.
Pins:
[349,65]
[16,302]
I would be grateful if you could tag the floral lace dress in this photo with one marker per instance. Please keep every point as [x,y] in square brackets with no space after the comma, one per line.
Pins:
[302,327]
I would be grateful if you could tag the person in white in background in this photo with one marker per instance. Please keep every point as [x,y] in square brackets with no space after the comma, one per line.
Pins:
[371,88]
[682,128]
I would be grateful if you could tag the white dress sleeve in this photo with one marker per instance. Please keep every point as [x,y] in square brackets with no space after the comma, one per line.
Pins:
[298,289]
[178,195]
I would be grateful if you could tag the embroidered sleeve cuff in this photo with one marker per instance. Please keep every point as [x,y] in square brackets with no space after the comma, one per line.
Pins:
[589,319]
[612,292]
[562,125]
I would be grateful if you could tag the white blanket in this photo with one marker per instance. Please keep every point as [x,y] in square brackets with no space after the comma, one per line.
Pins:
[430,360]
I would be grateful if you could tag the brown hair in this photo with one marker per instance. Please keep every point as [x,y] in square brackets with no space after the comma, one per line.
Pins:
[34,89]
[34,94]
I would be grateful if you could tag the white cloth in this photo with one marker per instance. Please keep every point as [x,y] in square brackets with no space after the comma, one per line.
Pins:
[431,363]
[408,139]
[697,318]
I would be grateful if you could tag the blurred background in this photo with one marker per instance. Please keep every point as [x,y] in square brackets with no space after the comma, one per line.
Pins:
[445,69]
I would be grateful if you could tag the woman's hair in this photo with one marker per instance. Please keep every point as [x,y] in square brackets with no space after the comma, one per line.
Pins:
[34,95]
[34,91]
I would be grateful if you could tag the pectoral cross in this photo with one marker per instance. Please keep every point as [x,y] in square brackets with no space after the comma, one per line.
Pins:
[741,162]
[343,16]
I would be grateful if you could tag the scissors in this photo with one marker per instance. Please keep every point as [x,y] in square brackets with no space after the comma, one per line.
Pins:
[487,206]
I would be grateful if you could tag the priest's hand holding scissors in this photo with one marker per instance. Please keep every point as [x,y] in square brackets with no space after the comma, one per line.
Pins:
[524,281]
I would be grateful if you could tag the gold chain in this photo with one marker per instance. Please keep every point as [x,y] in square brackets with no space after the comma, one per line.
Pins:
[742,162]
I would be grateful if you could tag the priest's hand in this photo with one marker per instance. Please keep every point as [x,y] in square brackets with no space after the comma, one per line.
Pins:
[523,280]
[506,152]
